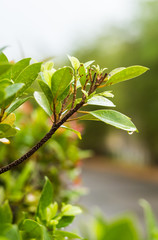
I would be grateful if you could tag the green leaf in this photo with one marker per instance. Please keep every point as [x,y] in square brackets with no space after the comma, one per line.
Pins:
[65,221]
[3,58]
[4,67]
[10,93]
[116,70]
[126,74]
[10,132]
[123,227]
[3,129]
[106,94]
[100,101]
[69,210]
[45,199]
[46,90]
[75,62]
[19,66]
[87,64]
[82,74]
[51,211]
[113,118]
[150,219]
[28,76]
[64,94]
[69,235]
[73,130]
[9,231]
[5,213]
[43,102]
[4,83]
[16,104]
[31,229]
[61,80]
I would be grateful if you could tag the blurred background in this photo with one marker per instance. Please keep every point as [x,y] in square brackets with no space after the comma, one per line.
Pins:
[114,34]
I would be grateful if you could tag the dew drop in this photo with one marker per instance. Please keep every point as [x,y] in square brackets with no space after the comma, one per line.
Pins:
[131,132]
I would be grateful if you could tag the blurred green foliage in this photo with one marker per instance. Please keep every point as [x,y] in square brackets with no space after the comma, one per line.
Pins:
[59,159]
[124,227]
[136,43]
[47,223]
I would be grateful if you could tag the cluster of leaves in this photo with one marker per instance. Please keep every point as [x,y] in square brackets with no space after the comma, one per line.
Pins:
[46,224]
[59,91]
[15,79]
[60,88]
[124,228]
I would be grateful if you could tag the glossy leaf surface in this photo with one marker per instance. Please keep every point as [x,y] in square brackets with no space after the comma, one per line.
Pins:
[43,102]
[111,117]
[100,101]
[61,80]
[125,74]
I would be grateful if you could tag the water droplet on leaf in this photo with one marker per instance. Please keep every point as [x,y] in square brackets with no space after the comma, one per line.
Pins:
[131,132]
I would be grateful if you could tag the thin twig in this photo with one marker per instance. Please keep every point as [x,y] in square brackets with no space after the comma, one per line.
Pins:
[54,111]
[64,103]
[75,91]
[54,128]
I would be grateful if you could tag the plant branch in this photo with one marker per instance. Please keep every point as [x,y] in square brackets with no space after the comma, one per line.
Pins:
[75,91]
[54,128]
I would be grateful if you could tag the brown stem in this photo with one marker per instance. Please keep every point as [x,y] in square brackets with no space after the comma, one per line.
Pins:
[43,140]
[54,111]
[75,92]
[63,105]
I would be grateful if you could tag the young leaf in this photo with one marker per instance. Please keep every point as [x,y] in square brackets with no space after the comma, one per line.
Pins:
[61,80]
[43,102]
[126,74]
[17,103]
[19,66]
[100,101]
[46,90]
[75,62]
[69,210]
[113,118]
[28,75]
[87,64]
[106,94]
[65,221]
[73,130]
[45,199]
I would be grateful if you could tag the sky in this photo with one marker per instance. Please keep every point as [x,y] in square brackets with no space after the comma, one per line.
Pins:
[44,28]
